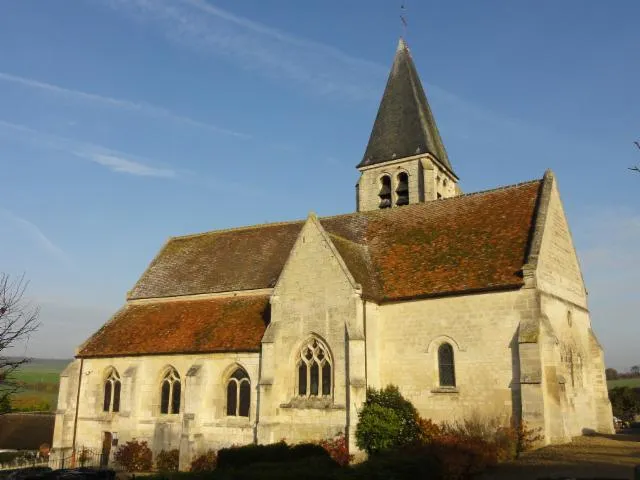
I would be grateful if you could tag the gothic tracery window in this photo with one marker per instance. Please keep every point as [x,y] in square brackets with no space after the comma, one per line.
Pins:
[385,192]
[238,394]
[112,387]
[314,370]
[446,366]
[170,393]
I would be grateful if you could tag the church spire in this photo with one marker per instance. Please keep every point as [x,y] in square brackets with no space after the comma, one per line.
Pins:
[404,126]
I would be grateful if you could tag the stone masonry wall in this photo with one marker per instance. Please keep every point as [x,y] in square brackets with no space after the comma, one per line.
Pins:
[314,297]
[481,328]
[427,180]
[201,424]
[558,270]
[576,357]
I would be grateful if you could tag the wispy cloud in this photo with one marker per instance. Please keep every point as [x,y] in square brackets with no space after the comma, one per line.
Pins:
[123,165]
[317,67]
[115,161]
[143,108]
[254,46]
[127,163]
[34,232]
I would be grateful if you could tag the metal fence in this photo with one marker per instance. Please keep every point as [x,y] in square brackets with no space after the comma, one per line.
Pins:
[83,457]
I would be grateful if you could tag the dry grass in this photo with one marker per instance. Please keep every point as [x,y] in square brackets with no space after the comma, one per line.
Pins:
[593,457]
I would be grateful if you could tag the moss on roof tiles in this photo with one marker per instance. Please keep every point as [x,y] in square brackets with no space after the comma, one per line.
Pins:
[468,242]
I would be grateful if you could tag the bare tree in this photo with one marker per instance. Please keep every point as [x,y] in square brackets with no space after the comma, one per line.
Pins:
[18,319]
[636,168]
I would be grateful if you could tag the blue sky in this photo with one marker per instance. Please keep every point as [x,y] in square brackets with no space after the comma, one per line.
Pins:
[124,122]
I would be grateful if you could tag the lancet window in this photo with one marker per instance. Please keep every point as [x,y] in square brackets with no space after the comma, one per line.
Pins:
[112,387]
[170,393]
[238,394]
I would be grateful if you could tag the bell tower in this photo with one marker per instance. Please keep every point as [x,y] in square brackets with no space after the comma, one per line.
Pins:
[405,161]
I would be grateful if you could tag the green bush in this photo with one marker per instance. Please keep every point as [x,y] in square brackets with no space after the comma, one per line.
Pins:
[237,457]
[624,402]
[379,428]
[168,461]
[386,421]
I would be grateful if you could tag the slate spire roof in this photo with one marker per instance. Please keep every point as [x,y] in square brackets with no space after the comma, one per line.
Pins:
[404,125]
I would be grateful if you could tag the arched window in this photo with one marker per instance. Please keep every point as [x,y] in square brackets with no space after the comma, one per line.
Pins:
[446,367]
[238,394]
[402,190]
[170,393]
[314,370]
[385,192]
[112,392]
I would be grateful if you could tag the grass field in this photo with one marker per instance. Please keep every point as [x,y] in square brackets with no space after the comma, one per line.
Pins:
[40,379]
[624,382]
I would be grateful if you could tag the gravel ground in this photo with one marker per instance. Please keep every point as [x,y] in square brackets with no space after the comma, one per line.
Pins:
[592,457]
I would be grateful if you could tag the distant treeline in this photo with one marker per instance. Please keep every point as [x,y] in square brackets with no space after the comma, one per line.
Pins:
[47,387]
[613,374]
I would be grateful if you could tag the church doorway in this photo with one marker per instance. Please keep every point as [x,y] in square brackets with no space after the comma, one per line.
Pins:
[107,439]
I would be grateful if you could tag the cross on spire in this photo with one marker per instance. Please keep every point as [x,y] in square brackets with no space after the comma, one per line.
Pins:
[403,20]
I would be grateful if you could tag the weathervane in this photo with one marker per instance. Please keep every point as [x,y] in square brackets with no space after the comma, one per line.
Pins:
[403,11]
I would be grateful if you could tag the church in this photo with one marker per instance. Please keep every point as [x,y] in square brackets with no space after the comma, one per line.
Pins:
[473,304]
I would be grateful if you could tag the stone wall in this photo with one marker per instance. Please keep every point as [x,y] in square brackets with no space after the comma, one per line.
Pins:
[558,269]
[427,181]
[576,397]
[482,329]
[202,422]
[315,297]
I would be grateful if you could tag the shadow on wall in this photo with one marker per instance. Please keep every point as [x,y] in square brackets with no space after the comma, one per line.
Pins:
[516,394]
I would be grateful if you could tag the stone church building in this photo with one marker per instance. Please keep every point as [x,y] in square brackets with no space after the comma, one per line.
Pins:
[472,304]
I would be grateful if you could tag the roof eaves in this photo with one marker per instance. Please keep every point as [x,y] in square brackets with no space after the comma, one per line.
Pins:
[186,352]
[453,293]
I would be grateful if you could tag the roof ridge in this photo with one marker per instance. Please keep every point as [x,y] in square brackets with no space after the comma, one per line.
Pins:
[362,214]
[235,229]
[496,189]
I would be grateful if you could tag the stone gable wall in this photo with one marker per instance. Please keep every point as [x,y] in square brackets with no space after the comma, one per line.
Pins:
[558,270]
[314,296]
[577,398]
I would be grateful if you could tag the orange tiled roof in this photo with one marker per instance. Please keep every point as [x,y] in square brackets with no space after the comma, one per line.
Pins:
[464,243]
[209,325]
[468,243]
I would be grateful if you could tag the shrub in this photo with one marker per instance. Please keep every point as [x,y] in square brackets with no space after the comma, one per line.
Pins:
[379,428]
[338,449]
[462,455]
[306,450]
[205,462]
[386,421]
[134,456]
[624,402]
[391,397]
[409,463]
[429,430]
[527,437]
[313,468]
[168,461]
[237,457]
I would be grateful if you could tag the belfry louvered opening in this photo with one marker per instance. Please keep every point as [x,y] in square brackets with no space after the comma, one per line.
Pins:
[402,191]
[385,192]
